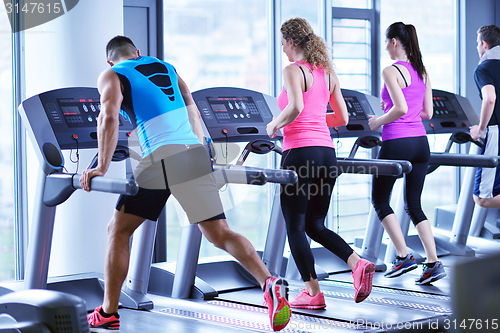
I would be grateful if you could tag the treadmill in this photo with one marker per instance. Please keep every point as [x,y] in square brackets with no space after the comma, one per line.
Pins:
[453,114]
[359,107]
[56,120]
[422,313]
[240,115]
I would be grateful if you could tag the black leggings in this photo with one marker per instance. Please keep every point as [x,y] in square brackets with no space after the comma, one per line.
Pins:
[416,150]
[305,205]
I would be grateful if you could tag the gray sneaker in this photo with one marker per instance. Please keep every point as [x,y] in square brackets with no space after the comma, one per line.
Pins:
[430,275]
[401,266]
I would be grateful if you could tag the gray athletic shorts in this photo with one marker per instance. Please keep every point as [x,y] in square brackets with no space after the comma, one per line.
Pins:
[487,184]
[182,170]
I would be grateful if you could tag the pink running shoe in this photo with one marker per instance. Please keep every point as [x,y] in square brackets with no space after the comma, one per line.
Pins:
[363,276]
[97,320]
[276,297]
[305,301]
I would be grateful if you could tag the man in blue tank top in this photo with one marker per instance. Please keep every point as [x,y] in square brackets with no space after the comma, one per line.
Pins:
[487,77]
[149,93]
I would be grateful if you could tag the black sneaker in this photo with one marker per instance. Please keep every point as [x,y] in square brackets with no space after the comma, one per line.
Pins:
[430,275]
[401,266]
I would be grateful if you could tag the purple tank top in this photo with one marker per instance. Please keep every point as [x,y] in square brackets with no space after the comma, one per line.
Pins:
[409,125]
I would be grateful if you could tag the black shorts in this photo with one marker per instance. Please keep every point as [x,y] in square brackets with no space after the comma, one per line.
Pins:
[182,170]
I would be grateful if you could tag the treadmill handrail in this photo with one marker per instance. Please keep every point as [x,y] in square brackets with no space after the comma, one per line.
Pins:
[373,167]
[405,165]
[224,175]
[280,176]
[59,187]
[237,174]
[463,160]
[109,185]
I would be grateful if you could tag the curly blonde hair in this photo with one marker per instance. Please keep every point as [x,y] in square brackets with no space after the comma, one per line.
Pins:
[315,51]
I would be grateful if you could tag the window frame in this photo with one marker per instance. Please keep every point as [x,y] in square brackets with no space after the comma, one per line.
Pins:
[21,225]
[372,15]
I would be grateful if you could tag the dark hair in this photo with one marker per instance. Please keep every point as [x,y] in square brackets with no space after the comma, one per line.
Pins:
[119,46]
[490,34]
[302,34]
[407,36]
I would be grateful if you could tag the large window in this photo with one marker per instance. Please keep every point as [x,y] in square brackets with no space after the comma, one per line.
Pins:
[218,42]
[7,249]
[362,4]
[435,25]
[352,53]
[296,8]
[213,44]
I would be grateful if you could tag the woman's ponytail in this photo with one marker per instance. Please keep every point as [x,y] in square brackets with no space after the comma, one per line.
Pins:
[407,36]
[414,54]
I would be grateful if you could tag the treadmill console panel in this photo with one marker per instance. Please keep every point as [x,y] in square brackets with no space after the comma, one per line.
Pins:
[240,109]
[359,107]
[234,114]
[72,114]
[354,108]
[452,113]
[442,108]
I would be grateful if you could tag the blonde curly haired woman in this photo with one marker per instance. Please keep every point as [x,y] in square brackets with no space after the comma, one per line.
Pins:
[310,83]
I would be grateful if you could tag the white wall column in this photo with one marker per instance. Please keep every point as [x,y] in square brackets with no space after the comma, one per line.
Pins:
[70,52]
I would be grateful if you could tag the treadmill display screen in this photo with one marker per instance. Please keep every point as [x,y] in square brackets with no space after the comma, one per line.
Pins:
[354,108]
[78,112]
[234,109]
[443,107]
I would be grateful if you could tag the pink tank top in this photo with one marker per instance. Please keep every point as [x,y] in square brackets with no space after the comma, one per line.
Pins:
[409,125]
[309,128]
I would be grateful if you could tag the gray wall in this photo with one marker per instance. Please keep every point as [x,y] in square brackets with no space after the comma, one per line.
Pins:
[476,13]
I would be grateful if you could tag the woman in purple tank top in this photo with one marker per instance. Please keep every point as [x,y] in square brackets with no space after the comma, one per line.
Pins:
[309,85]
[406,99]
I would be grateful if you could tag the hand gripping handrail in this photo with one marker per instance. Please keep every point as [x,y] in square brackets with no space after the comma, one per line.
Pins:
[60,186]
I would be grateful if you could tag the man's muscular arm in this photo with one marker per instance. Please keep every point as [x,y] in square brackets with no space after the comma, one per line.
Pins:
[487,108]
[107,125]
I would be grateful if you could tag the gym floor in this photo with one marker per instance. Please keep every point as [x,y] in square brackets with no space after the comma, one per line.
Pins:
[392,300]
